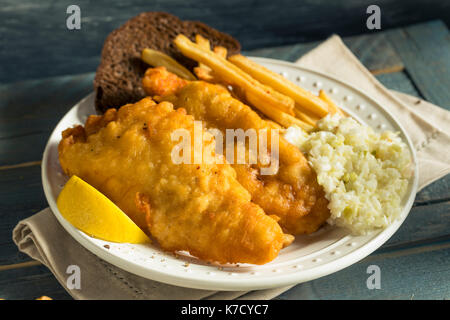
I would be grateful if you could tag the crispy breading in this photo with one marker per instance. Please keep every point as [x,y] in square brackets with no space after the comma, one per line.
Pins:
[292,194]
[199,208]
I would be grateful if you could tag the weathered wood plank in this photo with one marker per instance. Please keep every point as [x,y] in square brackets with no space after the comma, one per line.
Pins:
[23,148]
[30,110]
[21,196]
[435,192]
[39,44]
[30,283]
[424,49]
[25,264]
[423,275]
[398,81]
[34,106]
[375,53]
[373,50]
[424,224]
[288,53]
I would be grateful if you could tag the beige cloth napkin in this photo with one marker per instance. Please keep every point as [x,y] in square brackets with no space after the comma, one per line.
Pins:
[43,238]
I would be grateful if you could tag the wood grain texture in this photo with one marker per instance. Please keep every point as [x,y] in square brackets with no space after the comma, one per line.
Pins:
[424,50]
[37,44]
[424,225]
[435,192]
[21,196]
[398,81]
[30,283]
[25,264]
[30,110]
[419,275]
[374,52]
[414,262]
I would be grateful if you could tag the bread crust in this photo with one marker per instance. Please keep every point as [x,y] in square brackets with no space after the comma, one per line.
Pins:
[118,80]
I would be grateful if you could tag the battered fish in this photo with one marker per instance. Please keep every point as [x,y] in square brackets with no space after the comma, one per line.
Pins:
[292,194]
[199,208]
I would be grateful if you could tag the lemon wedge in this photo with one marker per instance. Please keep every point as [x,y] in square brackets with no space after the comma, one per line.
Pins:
[90,211]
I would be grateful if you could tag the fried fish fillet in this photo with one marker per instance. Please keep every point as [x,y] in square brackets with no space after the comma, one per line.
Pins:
[292,194]
[199,208]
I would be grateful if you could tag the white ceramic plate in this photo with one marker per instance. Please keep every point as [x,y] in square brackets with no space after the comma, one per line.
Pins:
[309,257]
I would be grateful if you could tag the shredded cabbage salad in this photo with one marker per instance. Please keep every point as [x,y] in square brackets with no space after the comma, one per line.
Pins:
[364,174]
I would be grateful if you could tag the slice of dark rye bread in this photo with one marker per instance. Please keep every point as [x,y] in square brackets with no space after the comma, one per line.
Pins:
[118,80]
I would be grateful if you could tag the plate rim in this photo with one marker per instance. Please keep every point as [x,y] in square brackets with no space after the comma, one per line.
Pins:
[239,283]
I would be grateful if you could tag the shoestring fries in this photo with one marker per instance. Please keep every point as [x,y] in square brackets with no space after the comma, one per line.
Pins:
[260,96]
[280,117]
[221,52]
[303,98]
[203,72]
[305,118]
[276,97]
[205,45]
[159,59]
[332,107]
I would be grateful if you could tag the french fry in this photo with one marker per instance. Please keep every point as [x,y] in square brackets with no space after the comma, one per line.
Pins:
[278,116]
[204,74]
[300,115]
[287,120]
[260,96]
[204,44]
[221,51]
[159,59]
[302,97]
[305,118]
[274,125]
[331,105]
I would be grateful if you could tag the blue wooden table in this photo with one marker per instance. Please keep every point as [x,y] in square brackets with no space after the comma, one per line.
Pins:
[414,263]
